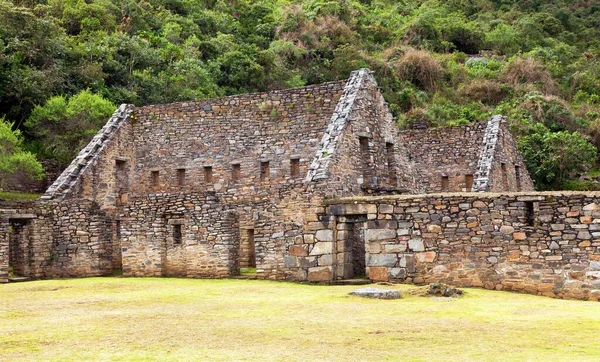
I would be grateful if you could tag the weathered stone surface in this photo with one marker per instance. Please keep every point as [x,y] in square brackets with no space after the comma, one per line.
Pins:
[323,247]
[376,293]
[378,273]
[380,234]
[388,260]
[324,235]
[506,229]
[320,274]
[416,245]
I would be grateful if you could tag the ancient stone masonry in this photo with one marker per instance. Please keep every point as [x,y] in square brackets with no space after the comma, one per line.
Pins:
[278,181]
[540,243]
[67,180]
[474,157]
[179,235]
[319,167]
[52,239]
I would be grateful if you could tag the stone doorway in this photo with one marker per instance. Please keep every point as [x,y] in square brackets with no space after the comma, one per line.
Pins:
[20,248]
[247,252]
[351,249]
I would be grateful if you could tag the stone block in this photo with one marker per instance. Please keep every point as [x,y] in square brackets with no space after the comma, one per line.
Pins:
[584,235]
[416,245]
[591,207]
[352,209]
[434,228]
[376,293]
[520,236]
[298,250]
[506,229]
[378,273]
[595,266]
[395,248]
[320,274]
[324,235]
[388,260]
[290,262]
[321,248]
[379,234]
[397,273]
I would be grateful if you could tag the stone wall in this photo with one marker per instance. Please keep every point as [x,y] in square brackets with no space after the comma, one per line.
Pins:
[54,239]
[538,243]
[190,235]
[469,155]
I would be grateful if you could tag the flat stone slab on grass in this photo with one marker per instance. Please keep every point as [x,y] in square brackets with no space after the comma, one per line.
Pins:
[376,293]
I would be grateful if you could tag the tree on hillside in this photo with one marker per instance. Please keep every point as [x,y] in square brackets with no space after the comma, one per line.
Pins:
[12,157]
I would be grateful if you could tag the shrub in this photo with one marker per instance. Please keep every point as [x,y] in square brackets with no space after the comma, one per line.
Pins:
[421,69]
[485,91]
[528,71]
[554,157]
[66,125]
[12,157]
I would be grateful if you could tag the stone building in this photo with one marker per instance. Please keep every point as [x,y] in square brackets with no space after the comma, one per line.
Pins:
[292,183]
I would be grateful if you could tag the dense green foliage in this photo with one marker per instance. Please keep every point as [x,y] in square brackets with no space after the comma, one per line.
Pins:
[13,158]
[538,61]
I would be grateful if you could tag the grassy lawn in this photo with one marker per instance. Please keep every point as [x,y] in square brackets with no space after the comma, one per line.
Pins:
[185,319]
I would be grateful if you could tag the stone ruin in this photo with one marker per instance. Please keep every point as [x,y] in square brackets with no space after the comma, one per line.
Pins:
[308,184]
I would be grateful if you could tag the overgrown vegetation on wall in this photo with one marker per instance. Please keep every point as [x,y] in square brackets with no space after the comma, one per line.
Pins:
[64,63]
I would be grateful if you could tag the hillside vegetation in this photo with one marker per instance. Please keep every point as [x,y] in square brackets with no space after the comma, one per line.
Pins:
[65,64]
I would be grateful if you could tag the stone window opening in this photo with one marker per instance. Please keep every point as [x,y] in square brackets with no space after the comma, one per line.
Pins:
[121,182]
[118,228]
[155,178]
[294,167]
[391,160]
[365,155]
[181,176]
[445,183]
[530,213]
[236,171]
[468,183]
[177,234]
[504,177]
[264,170]
[518,177]
[208,174]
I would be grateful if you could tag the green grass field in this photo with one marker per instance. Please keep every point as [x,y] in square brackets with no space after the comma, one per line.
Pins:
[116,319]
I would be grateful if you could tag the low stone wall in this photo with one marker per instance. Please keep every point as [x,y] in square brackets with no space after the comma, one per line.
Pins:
[190,235]
[538,243]
[52,240]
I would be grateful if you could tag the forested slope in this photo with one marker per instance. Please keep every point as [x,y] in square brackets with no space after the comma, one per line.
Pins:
[66,64]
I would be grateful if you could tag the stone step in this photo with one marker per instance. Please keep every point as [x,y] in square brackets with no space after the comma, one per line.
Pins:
[245,276]
[18,279]
[351,282]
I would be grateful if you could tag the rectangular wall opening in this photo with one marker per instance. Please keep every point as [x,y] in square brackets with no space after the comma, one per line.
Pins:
[208,174]
[351,248]
[504,177]
[445,183]
[518,177]
[117,262]
[247,252]
[236,171]
[265,170]
[19,248]
[121,182]
[468,183]
[530,213]
[391,161]
[181,176]
[294,167]
[366,157]
[177,234]
[155,179]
